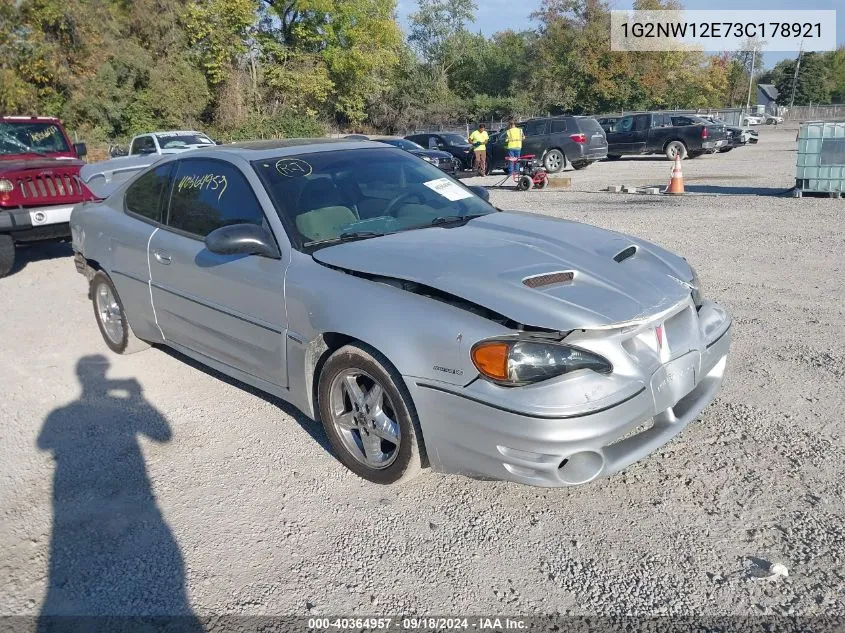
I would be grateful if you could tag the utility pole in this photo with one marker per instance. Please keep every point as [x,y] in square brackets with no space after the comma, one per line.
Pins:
[795,75]
[751,78]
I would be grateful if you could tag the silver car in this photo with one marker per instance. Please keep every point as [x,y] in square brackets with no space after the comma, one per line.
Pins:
[423,326]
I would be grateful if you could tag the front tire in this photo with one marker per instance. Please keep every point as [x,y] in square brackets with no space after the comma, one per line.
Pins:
[7,254]
[554,161]
[676,148]
[111,317]
[369,417]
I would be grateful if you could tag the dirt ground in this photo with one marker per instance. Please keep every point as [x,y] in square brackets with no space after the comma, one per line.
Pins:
[200,496]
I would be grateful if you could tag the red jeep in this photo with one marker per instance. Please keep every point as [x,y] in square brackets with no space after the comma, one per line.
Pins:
[39,182]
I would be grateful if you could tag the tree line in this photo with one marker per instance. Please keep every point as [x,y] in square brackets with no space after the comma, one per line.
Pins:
[265,68]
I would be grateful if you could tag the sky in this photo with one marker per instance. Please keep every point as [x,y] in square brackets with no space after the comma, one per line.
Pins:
[498,15]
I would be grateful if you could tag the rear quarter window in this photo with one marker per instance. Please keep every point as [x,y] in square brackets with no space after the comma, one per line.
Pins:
[589,124]
[143,197]
[558,126]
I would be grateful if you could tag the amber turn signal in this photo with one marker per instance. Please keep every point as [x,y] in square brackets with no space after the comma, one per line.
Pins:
[491,359]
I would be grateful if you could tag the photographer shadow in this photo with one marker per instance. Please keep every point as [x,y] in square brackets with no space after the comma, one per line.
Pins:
[111,552]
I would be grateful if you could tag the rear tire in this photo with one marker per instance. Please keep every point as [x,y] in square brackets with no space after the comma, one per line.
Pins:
[554,161]
[524,183]
[582,164]
[363,401]
[7,254]
[613,157]
[111,317]
[676,148]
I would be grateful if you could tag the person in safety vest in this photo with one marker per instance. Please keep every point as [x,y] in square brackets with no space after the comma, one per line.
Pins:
[478,139]
[513,144]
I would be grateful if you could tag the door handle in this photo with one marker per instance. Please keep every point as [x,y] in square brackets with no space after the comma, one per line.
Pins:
[162,257]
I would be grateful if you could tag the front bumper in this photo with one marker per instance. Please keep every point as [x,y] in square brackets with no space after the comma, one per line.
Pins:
[27,218]
[481,438]
[36,223]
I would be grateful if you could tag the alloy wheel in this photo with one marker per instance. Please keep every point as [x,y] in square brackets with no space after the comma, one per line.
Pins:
[109,313]
[364,418]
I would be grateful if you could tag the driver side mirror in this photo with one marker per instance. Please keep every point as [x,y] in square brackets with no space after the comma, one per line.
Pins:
[481,192]
[80,149]
[242,239]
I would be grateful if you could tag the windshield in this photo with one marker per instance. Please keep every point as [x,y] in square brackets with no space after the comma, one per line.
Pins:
[174,140]
[455,139]
[402,143]
[36,138]
[325,196]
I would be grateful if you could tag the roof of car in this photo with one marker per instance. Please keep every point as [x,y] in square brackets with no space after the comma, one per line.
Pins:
[259,150]
[173,132]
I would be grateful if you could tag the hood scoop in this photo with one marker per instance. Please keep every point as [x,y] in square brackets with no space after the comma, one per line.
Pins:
[549,279]
[622,255]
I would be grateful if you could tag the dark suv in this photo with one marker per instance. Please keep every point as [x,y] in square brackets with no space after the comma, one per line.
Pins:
[556,141]
[450,142]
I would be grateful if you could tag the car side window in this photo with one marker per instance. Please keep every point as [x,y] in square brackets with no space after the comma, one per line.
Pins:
[143,145]
[534,128]
[682,120]
[208,194]
[558,125]
[662,120]
[625,124]
[143,197]
[641,122]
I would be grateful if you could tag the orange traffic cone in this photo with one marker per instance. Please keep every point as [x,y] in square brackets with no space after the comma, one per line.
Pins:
[676,182]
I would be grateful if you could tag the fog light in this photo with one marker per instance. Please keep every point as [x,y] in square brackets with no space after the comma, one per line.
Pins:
[6,186]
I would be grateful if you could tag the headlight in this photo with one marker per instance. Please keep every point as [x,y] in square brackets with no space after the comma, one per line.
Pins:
[428,159]
[524,362]
[6,186]
[697,292]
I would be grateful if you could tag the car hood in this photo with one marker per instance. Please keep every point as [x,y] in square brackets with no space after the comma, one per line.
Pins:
[431,153]
[487,260]
[39,163]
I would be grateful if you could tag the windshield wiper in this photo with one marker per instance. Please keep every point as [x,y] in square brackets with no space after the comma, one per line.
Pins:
[347,236]
[454,219]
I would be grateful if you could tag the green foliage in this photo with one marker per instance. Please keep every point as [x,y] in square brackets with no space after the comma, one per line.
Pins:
[811,85]
[269,68]
[259,126]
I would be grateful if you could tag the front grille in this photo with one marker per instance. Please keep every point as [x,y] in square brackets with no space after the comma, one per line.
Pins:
[53,186]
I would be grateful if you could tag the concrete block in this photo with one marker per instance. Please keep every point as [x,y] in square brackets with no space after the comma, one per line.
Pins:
[560,183]
[652,190]
[615,188]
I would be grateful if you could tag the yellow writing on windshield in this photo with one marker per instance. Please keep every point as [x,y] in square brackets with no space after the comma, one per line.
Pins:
[41,135]
[200,182]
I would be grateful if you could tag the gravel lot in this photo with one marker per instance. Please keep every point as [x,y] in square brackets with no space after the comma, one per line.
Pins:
[179,491]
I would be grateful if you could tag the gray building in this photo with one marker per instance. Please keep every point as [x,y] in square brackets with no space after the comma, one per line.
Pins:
[767,96]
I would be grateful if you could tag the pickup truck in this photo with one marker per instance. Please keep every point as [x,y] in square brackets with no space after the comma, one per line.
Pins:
[171,142]
[145,149]
[663,133]
[39,183]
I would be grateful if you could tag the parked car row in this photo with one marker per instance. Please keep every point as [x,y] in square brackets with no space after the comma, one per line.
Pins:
[555,141]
